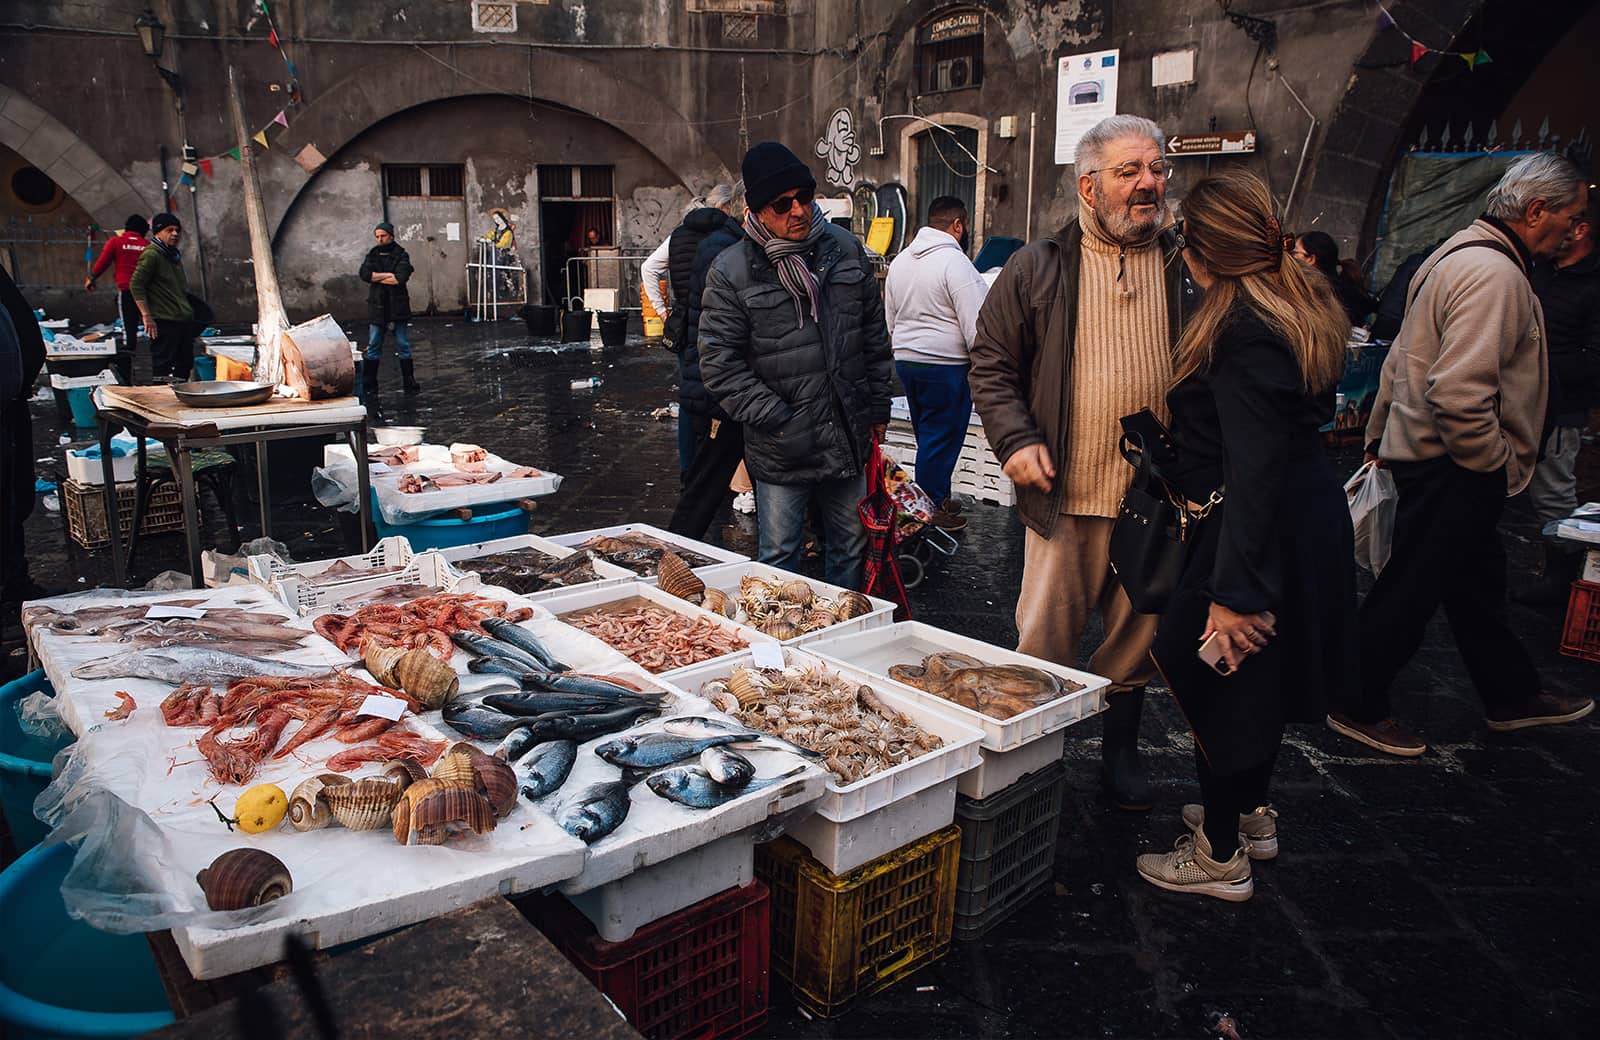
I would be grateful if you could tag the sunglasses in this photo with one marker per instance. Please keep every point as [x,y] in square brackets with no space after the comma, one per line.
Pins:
[782,205]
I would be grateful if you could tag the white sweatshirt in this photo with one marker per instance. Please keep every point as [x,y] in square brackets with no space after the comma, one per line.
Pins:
[931,300]
[651,272]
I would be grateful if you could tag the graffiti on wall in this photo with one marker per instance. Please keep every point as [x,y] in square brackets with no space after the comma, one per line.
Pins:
[649,216]
[838,146]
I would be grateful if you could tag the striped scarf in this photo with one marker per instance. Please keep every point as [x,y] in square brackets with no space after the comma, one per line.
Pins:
[788,259]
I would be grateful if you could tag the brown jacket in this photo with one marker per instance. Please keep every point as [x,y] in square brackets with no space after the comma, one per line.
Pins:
[1466,376]
[1022,356]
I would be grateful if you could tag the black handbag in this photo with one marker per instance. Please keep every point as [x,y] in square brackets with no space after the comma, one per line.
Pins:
[1147,537]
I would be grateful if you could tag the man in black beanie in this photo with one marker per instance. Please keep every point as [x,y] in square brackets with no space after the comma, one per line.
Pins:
[793,345]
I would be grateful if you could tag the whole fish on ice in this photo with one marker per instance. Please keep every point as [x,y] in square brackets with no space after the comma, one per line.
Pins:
[186,664]
[546,768]
[693,786]
[596,811]
[727,767]
[653,750]
[522,639]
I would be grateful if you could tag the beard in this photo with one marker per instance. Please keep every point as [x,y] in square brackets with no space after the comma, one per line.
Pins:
[1120,223]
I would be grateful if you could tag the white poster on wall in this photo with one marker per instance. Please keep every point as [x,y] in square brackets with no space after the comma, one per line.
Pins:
[1086,92]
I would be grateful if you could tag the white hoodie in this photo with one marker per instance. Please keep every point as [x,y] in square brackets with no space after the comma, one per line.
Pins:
[931,300]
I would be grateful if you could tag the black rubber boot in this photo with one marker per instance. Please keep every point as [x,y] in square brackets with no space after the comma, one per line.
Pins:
[409,378]
[1123,775]
[1554,586]
[369,386]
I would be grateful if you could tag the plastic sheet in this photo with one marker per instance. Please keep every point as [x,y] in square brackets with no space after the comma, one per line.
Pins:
[38,717]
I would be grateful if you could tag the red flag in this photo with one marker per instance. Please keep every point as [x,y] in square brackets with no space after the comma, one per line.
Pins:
[1417,51]
[172,203]
[205,166]
[272,37]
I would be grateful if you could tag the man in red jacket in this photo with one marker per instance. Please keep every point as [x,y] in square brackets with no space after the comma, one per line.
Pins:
[123,250]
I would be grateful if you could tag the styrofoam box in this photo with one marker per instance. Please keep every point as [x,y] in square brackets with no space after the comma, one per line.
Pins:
[394,551]
[910,641]
[711,552]
[609,573]
[1001,769]
[573,600]
[428,568]
[846,803]
[842,847]
[726,578]
[90,471]
[620,908]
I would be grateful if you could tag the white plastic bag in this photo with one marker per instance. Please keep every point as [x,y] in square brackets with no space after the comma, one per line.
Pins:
[1372,496]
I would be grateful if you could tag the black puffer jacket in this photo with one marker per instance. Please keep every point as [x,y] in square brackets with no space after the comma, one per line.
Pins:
[808,393]
[1570,297]
[387,303]
[693,396]
[682,247]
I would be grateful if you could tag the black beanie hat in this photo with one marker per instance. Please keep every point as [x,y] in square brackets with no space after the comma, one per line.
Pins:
[164,221]
[770,169]
[136,223]
[385,226]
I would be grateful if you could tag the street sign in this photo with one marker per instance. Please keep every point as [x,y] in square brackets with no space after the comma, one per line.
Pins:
[1236,142]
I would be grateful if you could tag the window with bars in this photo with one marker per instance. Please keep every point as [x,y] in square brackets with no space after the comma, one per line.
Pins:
[446,181]
[950,52]
[576,182]
[438,181]
[402,180]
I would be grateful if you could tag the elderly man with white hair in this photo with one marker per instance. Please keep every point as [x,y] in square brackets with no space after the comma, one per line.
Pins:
[1457,421]
[1076,333]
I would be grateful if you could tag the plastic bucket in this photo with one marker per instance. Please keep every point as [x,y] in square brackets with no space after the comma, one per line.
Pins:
[540,318]
[205,367]
[613,328]
[24,762]
[654,327]
[575,326]
[80,399]
[60,977]
[446,533]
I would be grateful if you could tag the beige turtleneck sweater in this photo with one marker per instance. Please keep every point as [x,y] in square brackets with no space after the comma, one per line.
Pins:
[1121,363]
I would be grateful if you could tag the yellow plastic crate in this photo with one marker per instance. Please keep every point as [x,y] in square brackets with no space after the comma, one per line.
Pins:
[838,937]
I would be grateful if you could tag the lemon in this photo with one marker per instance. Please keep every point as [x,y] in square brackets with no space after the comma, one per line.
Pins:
[261,808]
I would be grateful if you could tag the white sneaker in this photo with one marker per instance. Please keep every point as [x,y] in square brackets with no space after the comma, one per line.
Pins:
[744,502]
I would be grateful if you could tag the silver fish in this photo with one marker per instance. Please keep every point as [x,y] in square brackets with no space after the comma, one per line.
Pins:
[701,726]
[652,750]
[596,811]
[726,766]
[546,768]
[187,664]
[515,745]
[693,786]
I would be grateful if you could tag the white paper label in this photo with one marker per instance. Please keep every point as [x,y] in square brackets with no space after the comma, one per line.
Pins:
[766,655]
[172,612]
[381,707]
[452,232]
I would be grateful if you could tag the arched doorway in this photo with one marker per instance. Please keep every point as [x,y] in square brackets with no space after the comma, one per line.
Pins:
[946,154]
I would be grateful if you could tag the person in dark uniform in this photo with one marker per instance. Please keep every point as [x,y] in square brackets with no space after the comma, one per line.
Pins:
[21,358]
[386,270]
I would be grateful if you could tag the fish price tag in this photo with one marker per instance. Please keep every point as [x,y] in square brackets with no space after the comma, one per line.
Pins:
[766,655]
[381,707]
[175,612]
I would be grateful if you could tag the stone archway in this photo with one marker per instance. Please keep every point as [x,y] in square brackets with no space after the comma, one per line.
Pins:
[67,159]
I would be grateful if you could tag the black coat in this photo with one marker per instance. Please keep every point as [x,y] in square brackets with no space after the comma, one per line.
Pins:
[808,392]
[693,396]
[1570,297]
[387,303]
[1280,541]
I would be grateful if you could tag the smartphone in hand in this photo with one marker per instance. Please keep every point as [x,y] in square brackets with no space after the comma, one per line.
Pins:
[1211,649]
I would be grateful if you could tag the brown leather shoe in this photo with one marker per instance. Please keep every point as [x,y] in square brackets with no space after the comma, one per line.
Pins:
[1544,709]
[948,521]
[1385,735]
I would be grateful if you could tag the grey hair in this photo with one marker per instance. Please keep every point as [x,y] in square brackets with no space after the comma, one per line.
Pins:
[1546,176]
[1093,143]
[720,196]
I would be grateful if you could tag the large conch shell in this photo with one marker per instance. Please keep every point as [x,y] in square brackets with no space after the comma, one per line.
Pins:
[241,878]
[426,678]
[429,811]
[308,808]
[363,805]
[675,577]
[380,661]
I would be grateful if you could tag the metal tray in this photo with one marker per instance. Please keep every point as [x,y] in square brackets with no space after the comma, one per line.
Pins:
[225,393]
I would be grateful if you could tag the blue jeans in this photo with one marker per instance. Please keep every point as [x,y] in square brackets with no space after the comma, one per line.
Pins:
[941,408]
[781,519]
[402,342]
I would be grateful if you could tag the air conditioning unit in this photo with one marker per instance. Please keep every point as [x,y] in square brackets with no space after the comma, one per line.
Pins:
[952,74]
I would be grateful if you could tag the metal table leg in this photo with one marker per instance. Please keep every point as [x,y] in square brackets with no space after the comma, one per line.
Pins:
[109,497]
[358,446]
[261,489]
[181,465]
[141,500]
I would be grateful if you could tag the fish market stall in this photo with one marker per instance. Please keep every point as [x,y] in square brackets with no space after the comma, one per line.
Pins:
[415,482]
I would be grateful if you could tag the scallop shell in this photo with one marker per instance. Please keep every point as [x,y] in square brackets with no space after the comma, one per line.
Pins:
[405,772]
[363,805]
[308,809]
[781,629]
[674,576]
[429,811]
[241,878]
[816,620]
[851,605]
[746,687]
[751,586]
[426,678]
[497,782]
[453,768]
[719,602]
[797,592]
[380,661]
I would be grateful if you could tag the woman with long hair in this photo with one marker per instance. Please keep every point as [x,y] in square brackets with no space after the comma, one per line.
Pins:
[1318,249]
[1268,585]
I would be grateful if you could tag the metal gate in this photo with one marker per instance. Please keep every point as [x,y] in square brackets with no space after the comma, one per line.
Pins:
[428,208]
[944,169]
[47,256]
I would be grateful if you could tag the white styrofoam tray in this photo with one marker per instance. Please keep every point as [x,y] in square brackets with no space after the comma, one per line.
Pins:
[400,507]
[910,641]
[619,908]
[726,577]
[426,568]
[575,600]
[609,573]
[393,551]
[846,802]
[842,847]
[710,552]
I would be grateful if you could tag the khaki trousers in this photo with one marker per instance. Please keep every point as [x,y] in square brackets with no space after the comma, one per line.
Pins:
[1066,576]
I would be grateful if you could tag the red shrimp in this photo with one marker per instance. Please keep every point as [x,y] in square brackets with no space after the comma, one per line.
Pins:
[310,730]
[123,709]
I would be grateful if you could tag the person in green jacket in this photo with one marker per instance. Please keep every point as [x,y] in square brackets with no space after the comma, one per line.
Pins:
[162,295]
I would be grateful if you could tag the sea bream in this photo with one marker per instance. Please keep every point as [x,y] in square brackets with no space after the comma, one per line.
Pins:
[596,811]
[693,786]
[653,750]
[546,768]
[185,664]
[727,767]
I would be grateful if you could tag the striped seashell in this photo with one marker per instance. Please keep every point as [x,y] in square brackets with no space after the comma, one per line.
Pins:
[817,619]
[719,602]
[797,592]
[308,809]
[426,678]
[381,661]
[364,805]
[747,687]
[674,577]
[430,811]
[851,605]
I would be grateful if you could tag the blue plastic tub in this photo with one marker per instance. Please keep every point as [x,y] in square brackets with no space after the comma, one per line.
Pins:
[80,399]
[24,762]
[442,534]
[205,367]
[61,978]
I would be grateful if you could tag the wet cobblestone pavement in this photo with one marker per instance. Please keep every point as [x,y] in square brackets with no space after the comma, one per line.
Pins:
[1443,896]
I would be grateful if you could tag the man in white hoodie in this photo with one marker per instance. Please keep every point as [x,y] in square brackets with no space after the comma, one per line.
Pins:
[930,302]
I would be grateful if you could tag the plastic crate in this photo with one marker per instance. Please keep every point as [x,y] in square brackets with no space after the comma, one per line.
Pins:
[839,937]
[701,972]
[1008,849]
[1580,636]
[86,511]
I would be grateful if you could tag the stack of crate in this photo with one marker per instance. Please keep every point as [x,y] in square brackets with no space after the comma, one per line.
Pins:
[978,472]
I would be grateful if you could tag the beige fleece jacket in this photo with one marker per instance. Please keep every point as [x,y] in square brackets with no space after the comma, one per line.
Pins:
[1466,376]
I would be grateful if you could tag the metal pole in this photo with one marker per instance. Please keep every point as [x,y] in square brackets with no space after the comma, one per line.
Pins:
[1305,149]
[1033,123]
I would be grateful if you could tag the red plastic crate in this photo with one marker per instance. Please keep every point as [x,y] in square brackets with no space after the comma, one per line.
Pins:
[701,972]
[1580,636]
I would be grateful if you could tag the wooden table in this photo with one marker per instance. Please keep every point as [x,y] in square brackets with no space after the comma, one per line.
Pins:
[155,412]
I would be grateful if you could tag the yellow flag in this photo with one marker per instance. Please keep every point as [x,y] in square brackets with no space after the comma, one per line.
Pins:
[261,138]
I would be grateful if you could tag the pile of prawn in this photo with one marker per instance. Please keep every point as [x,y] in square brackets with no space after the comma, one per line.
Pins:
[657,639]
[428,621]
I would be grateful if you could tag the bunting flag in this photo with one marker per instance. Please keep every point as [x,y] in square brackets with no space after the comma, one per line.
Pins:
[205,167]
[233,153]
[260,138]
[277,44]
[1481,59]
[186,179]
[272,36]
[280,120]
[1420,50]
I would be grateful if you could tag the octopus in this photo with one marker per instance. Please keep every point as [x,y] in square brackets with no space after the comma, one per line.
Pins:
[655,638]
[427,621]
[999,691]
